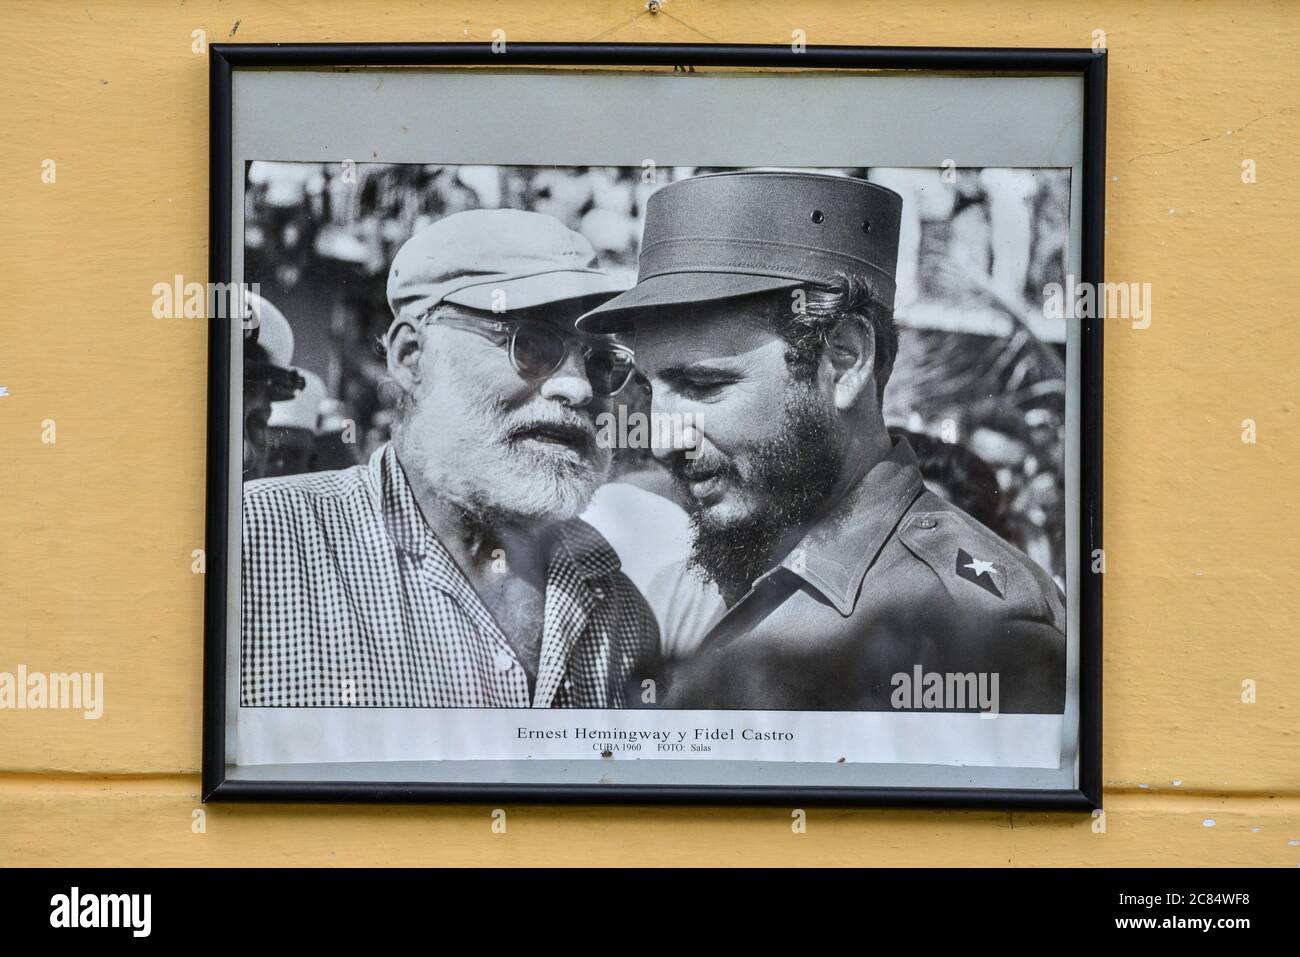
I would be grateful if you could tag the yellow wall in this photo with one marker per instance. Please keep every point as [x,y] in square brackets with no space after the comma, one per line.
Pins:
[96,530]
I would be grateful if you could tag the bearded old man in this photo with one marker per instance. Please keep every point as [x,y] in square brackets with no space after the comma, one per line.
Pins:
[763,310]
[451,569]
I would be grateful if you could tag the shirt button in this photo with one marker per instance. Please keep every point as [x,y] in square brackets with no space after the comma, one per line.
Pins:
[504,661]
[926,523]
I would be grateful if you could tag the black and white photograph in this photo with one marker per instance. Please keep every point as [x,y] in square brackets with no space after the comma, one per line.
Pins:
[701,449]
[661,466]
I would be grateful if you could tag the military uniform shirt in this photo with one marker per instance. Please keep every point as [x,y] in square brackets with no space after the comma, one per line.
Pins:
[894,577]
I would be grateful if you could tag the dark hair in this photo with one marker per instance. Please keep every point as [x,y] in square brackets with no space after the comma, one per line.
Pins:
[847,298]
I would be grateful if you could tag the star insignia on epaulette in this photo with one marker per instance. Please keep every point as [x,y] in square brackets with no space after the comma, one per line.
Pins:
[981,572]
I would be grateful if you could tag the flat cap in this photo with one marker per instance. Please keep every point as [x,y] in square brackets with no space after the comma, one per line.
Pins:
[725,235]
[534,259]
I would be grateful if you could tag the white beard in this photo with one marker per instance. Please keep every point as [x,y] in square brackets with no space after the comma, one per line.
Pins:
[464,456]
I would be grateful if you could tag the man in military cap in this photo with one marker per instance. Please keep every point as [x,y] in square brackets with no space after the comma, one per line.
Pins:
[763,308]
[451,570]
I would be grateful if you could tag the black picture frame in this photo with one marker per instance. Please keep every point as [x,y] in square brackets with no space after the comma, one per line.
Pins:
[1090,65]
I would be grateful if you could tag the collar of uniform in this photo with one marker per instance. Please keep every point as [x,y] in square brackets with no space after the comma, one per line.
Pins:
[591,556]
[836,552]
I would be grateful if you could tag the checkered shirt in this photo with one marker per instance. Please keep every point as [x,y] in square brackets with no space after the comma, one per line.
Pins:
[348,598]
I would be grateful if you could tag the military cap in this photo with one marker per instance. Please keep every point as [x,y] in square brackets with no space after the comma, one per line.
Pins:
[725,235]
[534,259]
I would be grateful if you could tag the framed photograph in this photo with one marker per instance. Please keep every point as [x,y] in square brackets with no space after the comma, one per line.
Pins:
[655,424]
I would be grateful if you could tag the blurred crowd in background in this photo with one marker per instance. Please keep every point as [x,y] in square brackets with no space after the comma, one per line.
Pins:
[978,388]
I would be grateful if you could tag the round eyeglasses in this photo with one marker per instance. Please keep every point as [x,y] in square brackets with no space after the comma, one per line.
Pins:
[537,349]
